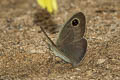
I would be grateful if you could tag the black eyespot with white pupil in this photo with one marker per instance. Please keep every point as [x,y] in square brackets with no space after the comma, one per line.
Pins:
[75,22]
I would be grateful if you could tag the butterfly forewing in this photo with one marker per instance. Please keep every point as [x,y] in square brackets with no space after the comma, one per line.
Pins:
[69,33]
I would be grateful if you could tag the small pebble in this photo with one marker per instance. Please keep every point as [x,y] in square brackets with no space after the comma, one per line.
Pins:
[100,61]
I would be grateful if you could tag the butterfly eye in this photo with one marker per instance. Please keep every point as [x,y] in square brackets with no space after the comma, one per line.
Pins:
[75,22]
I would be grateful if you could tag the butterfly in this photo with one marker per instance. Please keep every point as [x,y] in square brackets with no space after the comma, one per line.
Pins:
[71,45]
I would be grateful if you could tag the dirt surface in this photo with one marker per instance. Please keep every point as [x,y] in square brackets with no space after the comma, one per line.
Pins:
[24,54]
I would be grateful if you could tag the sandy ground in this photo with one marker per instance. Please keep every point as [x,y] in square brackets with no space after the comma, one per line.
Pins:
[24,54]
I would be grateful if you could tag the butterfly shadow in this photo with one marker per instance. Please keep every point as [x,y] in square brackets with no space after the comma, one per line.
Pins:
[45,19]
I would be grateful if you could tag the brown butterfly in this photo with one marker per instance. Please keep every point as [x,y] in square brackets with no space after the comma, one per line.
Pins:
[71,45]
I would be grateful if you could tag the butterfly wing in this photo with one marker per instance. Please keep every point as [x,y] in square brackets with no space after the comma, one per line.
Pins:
[69,33]
[75,51]
[70,40]
[56,51]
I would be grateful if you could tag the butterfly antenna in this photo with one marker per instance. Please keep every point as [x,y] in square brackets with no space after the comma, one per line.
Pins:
[48,38]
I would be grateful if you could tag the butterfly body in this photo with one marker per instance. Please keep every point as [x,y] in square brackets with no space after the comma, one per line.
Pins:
[71,45]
